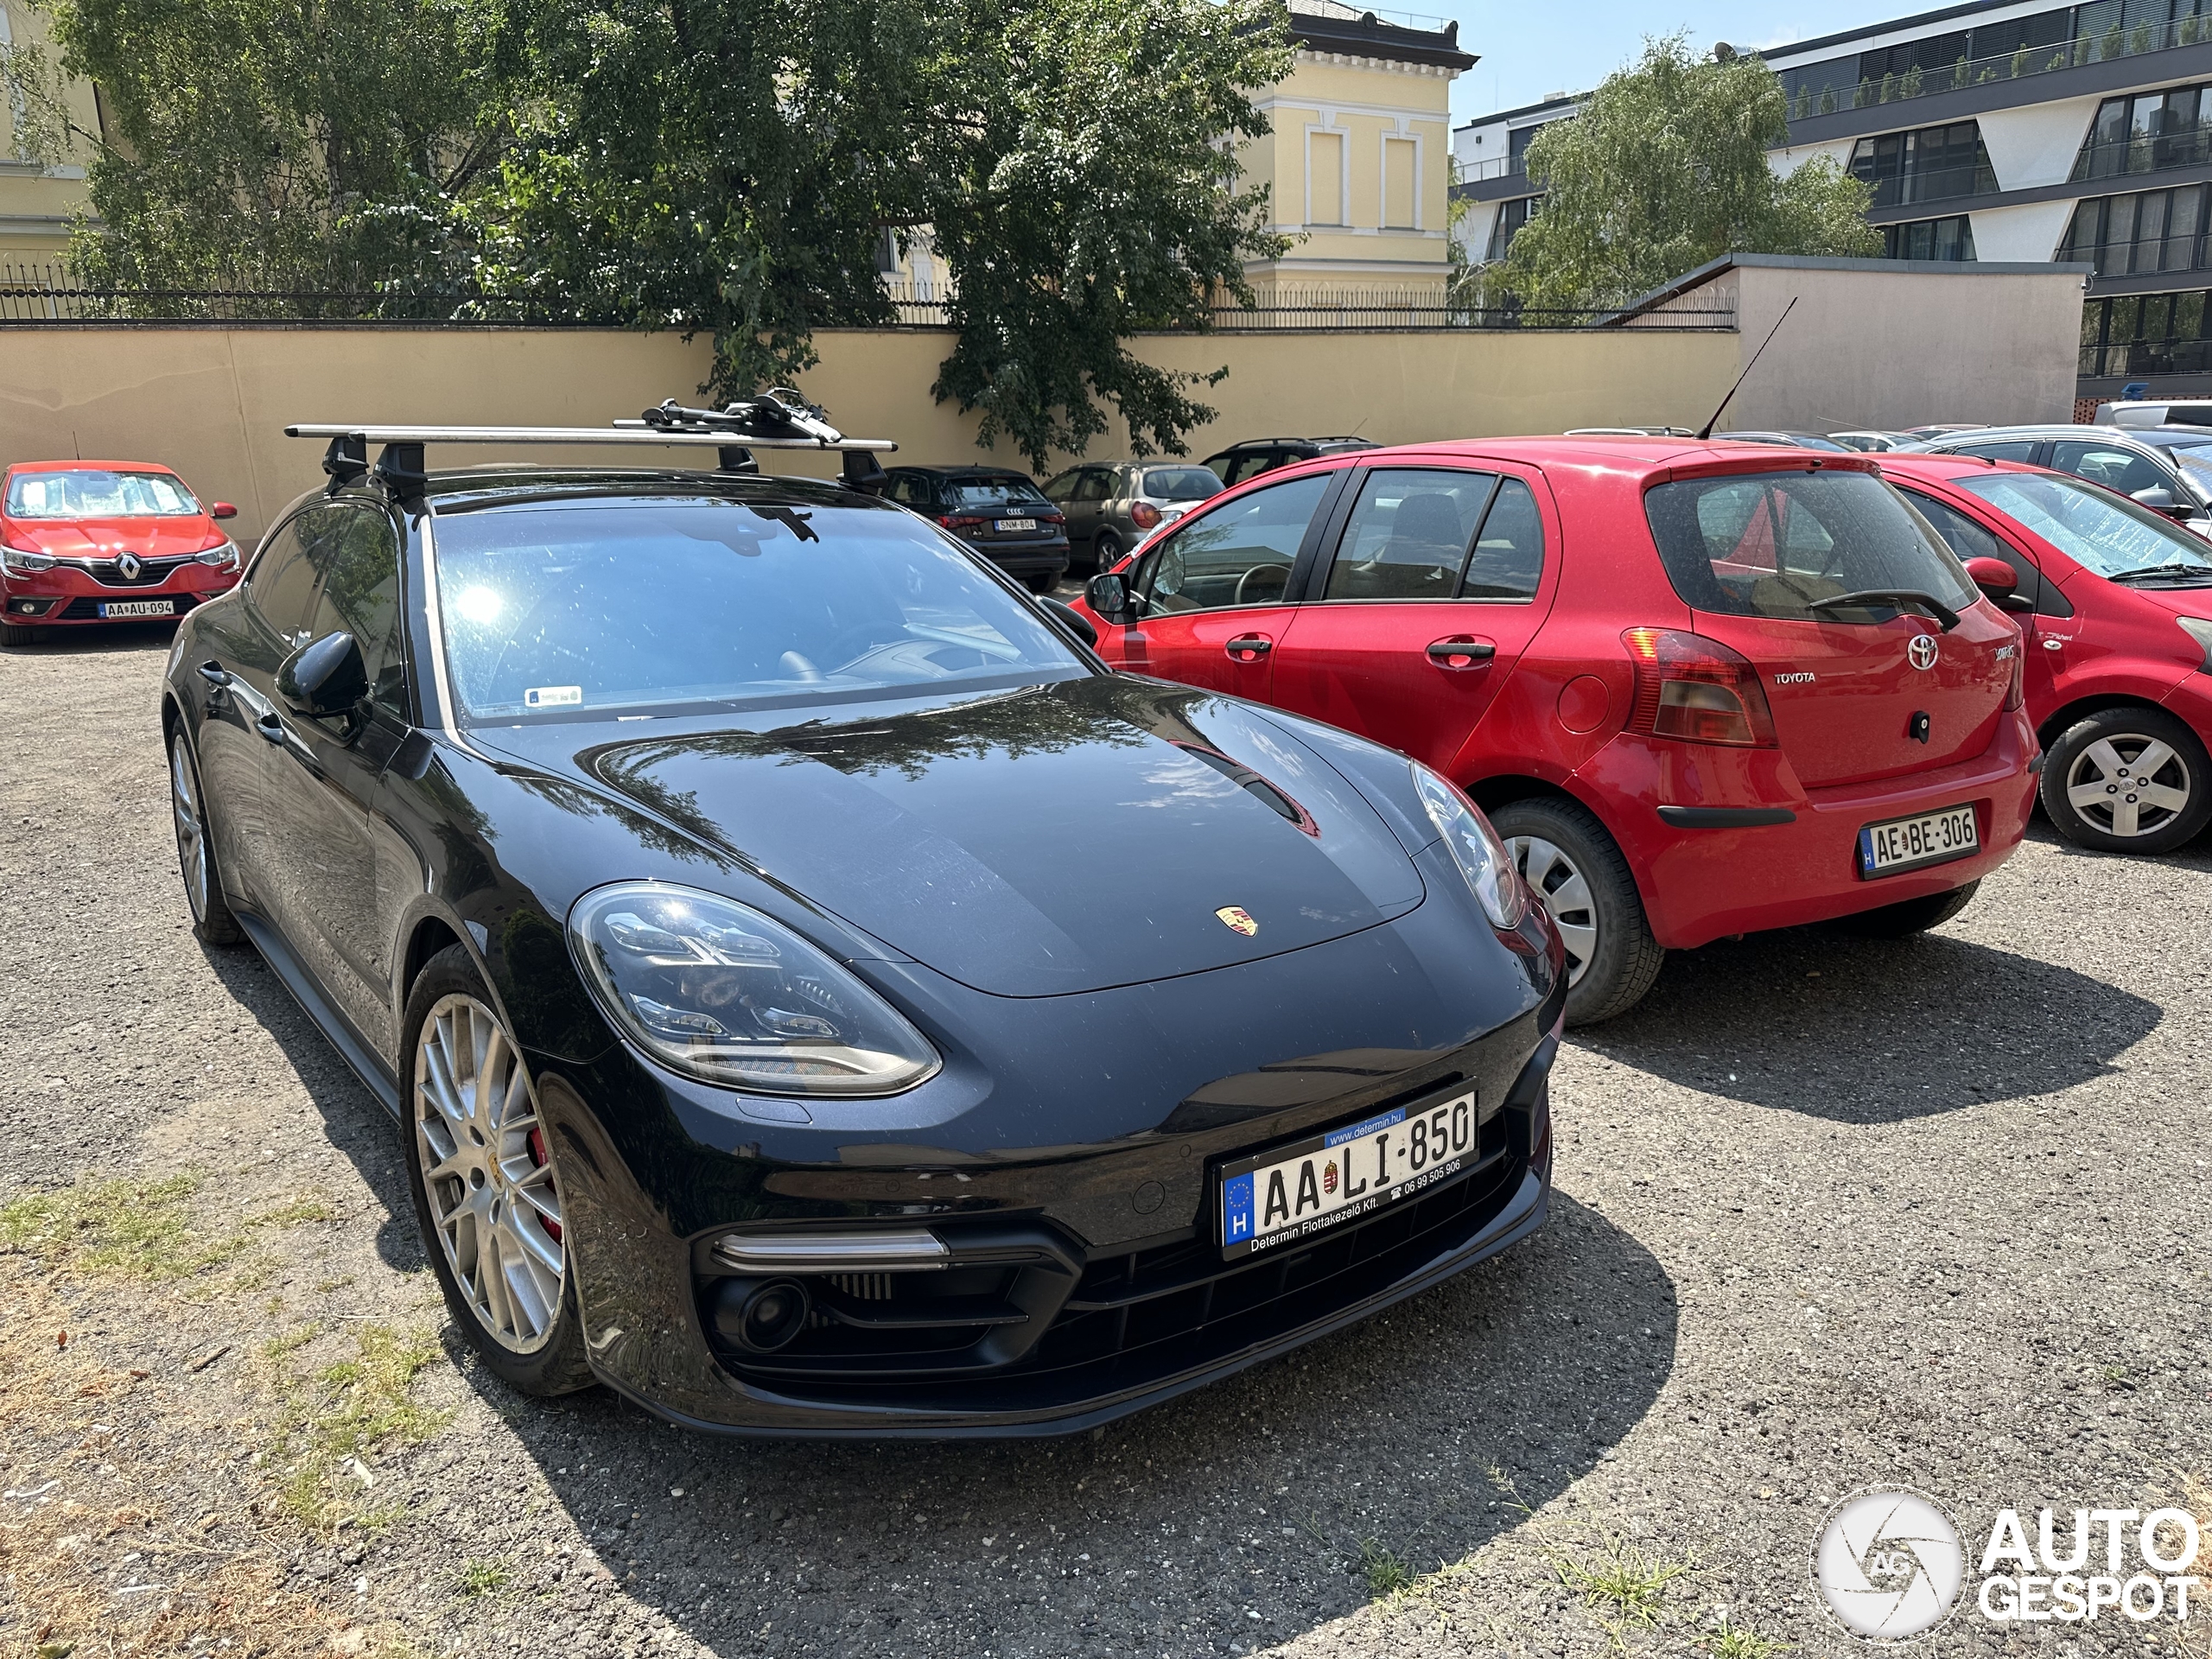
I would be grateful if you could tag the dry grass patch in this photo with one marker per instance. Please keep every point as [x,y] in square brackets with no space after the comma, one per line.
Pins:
[336,1418]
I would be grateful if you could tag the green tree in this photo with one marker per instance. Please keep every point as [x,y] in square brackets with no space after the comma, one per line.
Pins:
[271,144]
[1666,167]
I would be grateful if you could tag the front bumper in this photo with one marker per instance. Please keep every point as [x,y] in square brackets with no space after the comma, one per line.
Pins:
[64,596]
[1086,1281]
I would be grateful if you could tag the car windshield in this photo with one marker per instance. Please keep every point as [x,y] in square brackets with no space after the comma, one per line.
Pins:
[2195,455]
[1181,483]
[993,492]
[574,611]
[2097,530]
[1786,544]
[88,494]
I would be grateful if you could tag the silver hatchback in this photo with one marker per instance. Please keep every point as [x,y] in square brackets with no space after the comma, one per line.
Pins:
[1111,505]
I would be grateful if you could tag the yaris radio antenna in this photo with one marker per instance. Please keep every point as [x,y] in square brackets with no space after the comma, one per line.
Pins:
[1705,431]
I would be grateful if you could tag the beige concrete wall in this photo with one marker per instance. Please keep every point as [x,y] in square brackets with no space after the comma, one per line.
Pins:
[212,401]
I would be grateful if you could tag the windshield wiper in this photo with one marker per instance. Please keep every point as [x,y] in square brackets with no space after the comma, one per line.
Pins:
[2174,568]
[1895,597]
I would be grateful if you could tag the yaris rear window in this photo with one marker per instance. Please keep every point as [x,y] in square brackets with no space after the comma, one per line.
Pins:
[575,610]
[1776,545]
[83,494]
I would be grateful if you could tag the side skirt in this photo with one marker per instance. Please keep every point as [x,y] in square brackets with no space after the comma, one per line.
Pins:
[332,1023]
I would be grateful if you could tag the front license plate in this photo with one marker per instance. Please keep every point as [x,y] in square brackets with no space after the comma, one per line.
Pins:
[1293,1192]
[139,608]
[1909,843]
[1009,526]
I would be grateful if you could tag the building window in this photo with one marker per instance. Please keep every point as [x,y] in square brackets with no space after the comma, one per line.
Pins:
[1929,238]
[1398,184]
[1511,216]
[1933,164]
[2060,38]
[2146,333]
[2147,133]
[1325,178]
[1516,148]
[2129,236]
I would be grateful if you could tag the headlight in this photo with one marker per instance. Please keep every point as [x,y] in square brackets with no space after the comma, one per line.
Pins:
[718,991]
[2201,631]
[22,562]
[225,557]
[1475,846]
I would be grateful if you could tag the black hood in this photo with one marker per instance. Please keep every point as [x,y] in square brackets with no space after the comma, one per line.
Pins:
[1096,832]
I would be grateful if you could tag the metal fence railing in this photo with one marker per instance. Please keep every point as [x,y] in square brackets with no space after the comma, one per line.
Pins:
[33,294]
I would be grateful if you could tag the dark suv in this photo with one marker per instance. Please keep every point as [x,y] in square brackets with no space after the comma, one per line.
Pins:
[998,512]
[1256,455]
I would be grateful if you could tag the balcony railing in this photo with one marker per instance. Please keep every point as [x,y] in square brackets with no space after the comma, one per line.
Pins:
[1490,167]
[1934,184]
[2141,357]
[2143,153]
[2114,42]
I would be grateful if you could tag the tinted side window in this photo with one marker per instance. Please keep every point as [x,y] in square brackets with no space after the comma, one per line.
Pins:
[1096,485]
[1509,558]
[910,491]
[1408,534]
[1251,465]
[283,584]
[1237,554]
[359,561]
[1059,488]
[2019,449]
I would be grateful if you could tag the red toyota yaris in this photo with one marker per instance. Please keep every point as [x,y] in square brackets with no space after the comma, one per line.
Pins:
[2116,600]
[1701,689]
[87,541]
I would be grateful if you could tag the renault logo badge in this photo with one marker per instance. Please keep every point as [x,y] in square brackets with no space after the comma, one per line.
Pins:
[1238,918]
[1922,651]
[129,566]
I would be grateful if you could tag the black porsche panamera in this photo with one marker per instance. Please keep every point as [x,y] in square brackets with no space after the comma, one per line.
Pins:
[693,863]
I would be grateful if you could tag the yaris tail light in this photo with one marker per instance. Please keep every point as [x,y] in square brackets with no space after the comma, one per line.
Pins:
[1144,515]
[1693,689]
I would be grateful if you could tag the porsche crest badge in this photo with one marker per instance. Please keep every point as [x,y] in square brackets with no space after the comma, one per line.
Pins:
[1237,917]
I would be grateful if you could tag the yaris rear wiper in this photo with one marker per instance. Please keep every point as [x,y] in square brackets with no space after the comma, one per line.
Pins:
[1897,597]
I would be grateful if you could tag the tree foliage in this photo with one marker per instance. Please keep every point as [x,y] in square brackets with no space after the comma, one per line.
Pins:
[731,168]
[1666,167]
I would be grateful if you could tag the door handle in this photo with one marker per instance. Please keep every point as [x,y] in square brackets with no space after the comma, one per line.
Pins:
[1250,647]
[270,726]
[214,674]
[1462,653]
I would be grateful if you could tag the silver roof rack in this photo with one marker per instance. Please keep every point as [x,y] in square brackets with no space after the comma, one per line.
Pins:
[624,432]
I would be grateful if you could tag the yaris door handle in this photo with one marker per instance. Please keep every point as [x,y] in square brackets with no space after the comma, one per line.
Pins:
[1462,653]
[1250,647]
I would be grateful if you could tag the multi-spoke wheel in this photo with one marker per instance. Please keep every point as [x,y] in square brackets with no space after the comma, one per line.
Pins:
[2128,780]
[1573,866]
[203,888]
[486,1186]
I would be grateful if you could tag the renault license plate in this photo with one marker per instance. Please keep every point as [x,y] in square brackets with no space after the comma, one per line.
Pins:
[1904,844]
[1010,526]
[1293,1192]
[139,608]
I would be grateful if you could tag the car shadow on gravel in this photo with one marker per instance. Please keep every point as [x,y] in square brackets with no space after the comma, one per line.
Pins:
[1415,1436]
[1872,1030]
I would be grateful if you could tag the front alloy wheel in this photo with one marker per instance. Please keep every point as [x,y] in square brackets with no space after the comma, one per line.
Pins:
[2128,780]
[1574,867]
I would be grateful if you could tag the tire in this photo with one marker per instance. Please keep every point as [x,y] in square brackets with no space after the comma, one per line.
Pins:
[14,633]
[510,1295]
[2096,797]
[1105,550]
[1040,584]
[212,921]
[1907,917]
[1573,866]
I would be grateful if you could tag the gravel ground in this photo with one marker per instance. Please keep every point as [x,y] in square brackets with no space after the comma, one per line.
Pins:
[1830,1214]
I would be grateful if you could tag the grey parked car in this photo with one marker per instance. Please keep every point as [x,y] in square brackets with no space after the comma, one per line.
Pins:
[1112,505]
[2168,469]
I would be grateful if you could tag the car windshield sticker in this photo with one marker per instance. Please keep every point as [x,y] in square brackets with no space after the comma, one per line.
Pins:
[553,697]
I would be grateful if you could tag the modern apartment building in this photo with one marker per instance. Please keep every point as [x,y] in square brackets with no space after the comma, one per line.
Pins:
[36,202]
[1997,130]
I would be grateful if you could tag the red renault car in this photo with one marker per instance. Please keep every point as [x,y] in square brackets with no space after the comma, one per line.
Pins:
[1701,689]
[88,542]
[2116,602]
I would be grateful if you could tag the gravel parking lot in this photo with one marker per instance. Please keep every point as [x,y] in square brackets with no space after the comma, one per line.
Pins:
[1830,1213]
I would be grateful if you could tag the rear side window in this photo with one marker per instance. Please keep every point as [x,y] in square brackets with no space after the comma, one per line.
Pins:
[1777,544]
[1180,483]
[2023,450]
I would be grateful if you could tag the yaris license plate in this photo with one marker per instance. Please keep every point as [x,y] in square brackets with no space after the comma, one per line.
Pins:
[1904,844]
[1009,526]
[1293,1192]
[139,608]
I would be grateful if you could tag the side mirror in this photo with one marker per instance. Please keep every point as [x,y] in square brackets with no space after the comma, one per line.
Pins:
[1071,619]
[325,678]
[222,509]
[2160,499]
[1109,595]
[1998,582]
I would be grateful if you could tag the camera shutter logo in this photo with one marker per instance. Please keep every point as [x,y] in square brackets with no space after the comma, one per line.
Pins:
[1889,1565]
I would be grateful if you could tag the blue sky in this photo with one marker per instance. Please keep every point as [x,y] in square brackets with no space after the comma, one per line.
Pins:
[1530,49]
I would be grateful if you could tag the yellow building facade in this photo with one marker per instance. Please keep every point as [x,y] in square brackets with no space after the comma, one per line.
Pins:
[37,201]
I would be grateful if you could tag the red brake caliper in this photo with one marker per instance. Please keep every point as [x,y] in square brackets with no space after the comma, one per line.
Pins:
[537,1157]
